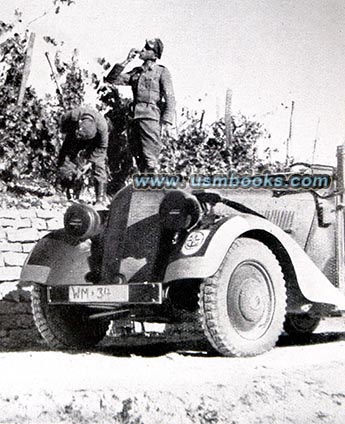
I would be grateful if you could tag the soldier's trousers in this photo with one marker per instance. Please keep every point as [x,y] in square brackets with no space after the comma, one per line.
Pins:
[99,167]
[145,143]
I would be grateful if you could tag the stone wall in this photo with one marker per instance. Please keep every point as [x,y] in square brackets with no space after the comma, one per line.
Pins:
[17,328]
[19,231]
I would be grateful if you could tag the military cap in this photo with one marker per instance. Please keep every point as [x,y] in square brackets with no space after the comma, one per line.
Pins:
[156,45]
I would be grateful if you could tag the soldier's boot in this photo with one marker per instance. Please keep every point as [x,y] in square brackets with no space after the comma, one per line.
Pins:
[101,196]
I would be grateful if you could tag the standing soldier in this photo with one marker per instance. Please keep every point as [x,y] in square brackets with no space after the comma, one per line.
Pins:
[153,102]
[85,146]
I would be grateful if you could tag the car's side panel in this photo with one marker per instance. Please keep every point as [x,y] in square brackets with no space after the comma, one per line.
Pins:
[312,282]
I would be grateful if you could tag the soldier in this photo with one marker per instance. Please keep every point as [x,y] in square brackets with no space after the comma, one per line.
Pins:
[84,147]
[153,102]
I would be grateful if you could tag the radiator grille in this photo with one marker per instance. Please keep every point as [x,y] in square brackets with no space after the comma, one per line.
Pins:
[281,217]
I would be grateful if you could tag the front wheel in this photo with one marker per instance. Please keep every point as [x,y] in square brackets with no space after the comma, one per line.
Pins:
[63,326]
[242,307]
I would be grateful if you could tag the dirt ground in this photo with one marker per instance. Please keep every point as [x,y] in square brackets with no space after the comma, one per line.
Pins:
[172,384]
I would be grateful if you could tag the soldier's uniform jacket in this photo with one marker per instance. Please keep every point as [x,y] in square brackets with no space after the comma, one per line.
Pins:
[95,148]
[152,88]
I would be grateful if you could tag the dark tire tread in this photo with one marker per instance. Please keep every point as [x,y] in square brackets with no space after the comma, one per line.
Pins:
[293,327]
[209,314]
[55,333]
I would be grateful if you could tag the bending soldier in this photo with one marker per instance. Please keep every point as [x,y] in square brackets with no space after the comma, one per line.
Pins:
[85,146]
[153,102]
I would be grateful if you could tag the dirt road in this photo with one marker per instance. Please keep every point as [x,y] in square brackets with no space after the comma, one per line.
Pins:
[148,385]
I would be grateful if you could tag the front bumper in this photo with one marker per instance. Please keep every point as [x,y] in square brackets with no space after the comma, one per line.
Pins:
[133,293]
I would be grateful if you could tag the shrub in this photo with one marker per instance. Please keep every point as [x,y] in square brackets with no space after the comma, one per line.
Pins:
[202,149]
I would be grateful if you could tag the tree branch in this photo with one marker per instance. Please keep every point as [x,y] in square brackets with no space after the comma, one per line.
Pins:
[39,17]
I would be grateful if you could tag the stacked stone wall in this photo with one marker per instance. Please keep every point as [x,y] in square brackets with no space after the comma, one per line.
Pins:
[19,231]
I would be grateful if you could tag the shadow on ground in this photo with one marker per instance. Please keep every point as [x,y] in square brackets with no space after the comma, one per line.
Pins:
[153,347]
[311,339]
[147,347]
[160,346]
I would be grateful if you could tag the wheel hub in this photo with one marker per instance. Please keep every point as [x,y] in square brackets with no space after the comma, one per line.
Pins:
[250,300]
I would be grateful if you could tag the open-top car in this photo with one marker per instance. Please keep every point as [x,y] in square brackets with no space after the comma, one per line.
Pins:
[246,265]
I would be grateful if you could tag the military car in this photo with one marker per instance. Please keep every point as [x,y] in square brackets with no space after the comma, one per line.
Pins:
[245,265]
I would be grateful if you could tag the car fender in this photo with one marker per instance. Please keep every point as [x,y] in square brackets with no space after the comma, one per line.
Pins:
[56,260]
[314,285]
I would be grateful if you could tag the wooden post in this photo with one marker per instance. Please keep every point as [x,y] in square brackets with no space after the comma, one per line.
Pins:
[227,118]
[26,70]
[316,139]
[290,133]
[339,215]
[202,119]
[217,109]
[58,89]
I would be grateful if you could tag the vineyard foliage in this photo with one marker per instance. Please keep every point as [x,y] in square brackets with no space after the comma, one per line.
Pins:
[30,139]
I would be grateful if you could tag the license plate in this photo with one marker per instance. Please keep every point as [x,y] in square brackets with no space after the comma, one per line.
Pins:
[95,294]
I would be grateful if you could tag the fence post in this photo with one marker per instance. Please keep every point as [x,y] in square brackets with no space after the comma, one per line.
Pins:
[26,70]
[288,141]
[227,118]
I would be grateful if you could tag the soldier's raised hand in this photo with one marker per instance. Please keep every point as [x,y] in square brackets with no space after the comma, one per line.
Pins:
[132,53]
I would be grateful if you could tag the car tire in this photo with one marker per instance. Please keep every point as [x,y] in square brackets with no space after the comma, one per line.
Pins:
[301,324]
[242,307]
[63,326]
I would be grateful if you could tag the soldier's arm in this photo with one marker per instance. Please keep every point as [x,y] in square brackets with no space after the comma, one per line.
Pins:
[116,76]
[169,97]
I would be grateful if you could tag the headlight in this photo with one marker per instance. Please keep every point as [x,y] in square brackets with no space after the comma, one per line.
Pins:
[179,211]
[82,221]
